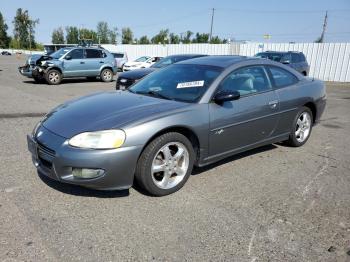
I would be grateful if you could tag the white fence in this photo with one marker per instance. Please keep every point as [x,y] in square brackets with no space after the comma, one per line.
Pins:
[328,61]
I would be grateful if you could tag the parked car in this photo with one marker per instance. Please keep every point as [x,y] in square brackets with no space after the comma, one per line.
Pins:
[126,79]
[120,59]
[88,62]
[194,112]
[141,62]
[5,53]
[295,60]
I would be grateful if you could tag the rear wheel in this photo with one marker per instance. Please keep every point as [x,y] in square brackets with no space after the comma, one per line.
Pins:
[106,75]
[53,77]
[302,127]
[165,164]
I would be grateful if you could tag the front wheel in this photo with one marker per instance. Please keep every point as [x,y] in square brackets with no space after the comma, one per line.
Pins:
[106,75]
[53,77]
[165,164]
[302,127]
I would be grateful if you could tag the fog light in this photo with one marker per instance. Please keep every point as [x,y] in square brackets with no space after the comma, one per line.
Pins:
[87,173]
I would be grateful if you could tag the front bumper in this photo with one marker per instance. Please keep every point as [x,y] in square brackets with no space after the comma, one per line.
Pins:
[54,158]
[25,70]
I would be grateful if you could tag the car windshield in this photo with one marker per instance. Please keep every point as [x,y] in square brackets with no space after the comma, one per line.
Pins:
[142,59]
[180,82]
[118,55]
[59,53]
[168,61]
[272,56]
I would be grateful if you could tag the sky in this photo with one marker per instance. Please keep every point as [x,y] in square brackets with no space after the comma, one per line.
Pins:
[284,21]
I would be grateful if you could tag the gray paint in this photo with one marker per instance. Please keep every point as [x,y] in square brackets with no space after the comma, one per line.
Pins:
[222,130]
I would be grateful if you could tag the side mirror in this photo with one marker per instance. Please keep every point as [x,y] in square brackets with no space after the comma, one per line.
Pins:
[226,95]
[67,57]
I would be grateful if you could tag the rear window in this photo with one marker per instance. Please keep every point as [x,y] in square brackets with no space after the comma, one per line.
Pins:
[118,55]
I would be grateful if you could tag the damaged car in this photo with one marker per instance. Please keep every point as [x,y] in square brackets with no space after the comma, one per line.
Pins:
[71,62]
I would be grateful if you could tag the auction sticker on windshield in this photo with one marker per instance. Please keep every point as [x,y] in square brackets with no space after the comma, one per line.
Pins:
[190,84]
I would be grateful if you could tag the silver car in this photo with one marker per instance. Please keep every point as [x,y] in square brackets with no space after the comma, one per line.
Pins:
[191,113]
[120,59]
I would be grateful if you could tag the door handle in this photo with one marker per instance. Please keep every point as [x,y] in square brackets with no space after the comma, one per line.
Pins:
[82,62]
[101,62]
[273,104]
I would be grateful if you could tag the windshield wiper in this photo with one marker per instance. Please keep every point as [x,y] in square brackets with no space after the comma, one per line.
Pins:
[154,93]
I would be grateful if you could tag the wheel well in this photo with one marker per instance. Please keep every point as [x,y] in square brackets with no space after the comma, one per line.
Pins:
[55,68]
[312,107]
[107,67]
[304,73]
[188,133]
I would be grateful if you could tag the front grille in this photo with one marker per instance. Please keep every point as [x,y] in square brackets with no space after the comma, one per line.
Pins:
[45,155]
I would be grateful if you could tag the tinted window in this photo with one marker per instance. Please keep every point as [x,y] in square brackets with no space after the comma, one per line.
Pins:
[76,54]
[302,57]
[180,82]
[246,81]
[296,58]
[59,53]
[118,55]
[286,58]
[272,56]
[93,53]
[282,77]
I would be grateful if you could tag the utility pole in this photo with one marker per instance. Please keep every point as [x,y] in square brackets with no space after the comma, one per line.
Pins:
[324,27]
[211,25]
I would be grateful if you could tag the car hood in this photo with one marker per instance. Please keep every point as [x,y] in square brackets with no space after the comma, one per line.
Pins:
[136,74]
[107,110]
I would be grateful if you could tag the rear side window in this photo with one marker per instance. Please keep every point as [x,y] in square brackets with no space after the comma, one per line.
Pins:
[247,80]
[93,53]
[296,58]
[281,77]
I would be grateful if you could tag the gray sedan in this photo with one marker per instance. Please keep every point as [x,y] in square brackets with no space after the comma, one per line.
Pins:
[192,113]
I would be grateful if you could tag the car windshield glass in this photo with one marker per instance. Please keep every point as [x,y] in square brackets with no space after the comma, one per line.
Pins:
[164,62]
[118,55]
[272,56]
[181,82]
[59,53]
[142,59]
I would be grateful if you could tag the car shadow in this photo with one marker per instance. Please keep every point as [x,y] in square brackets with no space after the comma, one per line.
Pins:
[199,170]
[69,81]
[81,191]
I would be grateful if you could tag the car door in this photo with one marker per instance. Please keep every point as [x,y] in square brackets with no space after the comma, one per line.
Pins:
[73,63]
[247,121]
[286,86]
[94,61]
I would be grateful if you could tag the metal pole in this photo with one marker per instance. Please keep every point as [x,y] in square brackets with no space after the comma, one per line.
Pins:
[211,25]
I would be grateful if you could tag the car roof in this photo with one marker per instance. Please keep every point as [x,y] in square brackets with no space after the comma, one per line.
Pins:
[216,60]
[280,52]
[187,55]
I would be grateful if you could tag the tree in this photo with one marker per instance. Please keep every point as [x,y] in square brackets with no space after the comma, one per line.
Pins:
[4,39]
[57,36]
[201,38]
[187,38]
[103,32]
[215,40]
[113,35]
[72,35]
[144,40]
[161,37]
[174,39]
[24,27]
[127,36]
[85,33]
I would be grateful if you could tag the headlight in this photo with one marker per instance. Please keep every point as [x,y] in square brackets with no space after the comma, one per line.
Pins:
[106,139]
[35,130]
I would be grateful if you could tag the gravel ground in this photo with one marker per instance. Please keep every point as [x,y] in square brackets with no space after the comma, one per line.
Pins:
[274,203]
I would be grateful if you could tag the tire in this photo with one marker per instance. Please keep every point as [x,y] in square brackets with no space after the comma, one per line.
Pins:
[53,77]
[106,75]
[173,173]
[302,127]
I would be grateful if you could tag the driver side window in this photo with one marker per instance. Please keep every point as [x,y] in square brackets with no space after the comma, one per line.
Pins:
[247,80]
